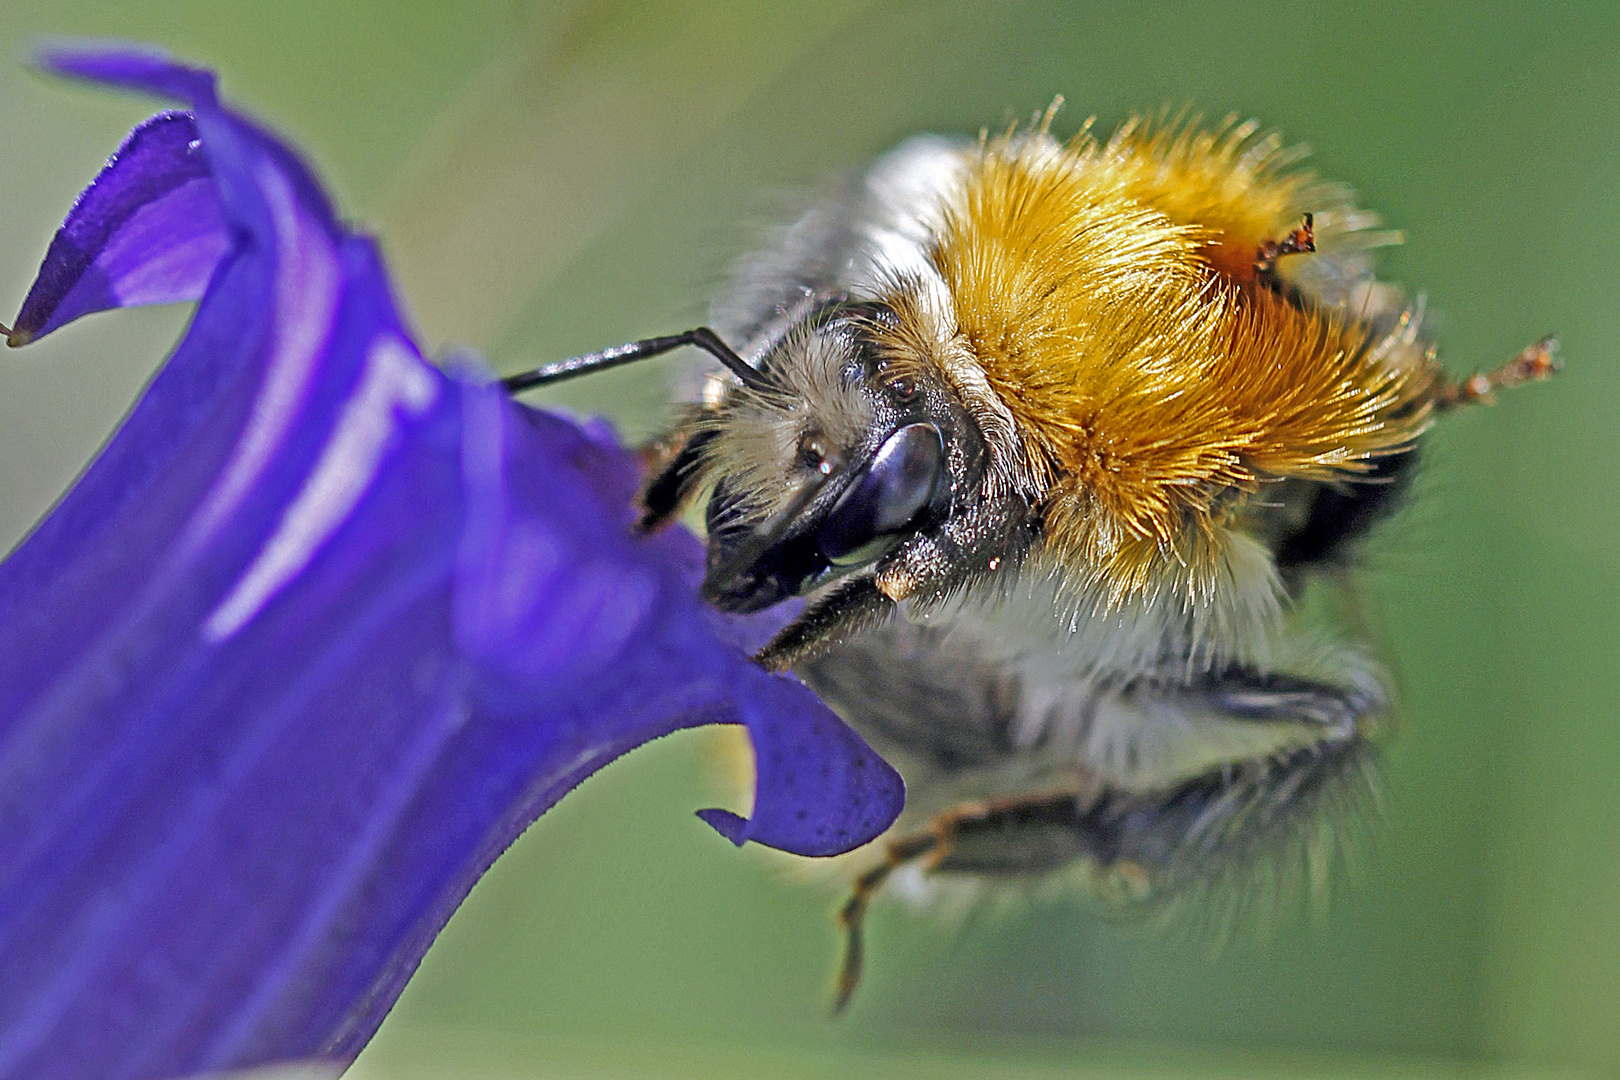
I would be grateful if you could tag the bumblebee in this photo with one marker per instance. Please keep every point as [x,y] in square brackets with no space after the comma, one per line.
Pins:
[1050,437]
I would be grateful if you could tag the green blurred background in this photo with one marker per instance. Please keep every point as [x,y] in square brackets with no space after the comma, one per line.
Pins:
[550,178]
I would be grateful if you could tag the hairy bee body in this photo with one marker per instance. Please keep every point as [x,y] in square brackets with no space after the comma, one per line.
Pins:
[1050,437]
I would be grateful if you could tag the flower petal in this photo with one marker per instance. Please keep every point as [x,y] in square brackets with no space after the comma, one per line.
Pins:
[314,638]
[147,231]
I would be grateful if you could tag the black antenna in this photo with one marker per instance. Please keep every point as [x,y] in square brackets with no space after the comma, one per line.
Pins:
[702,338]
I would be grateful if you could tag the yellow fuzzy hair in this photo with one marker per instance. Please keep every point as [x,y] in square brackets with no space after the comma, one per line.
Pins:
[1110,295]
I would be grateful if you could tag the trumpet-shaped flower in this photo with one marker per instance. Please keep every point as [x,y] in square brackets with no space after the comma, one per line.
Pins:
[316,635]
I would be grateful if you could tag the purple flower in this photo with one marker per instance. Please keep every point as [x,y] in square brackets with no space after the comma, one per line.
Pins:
[319,632]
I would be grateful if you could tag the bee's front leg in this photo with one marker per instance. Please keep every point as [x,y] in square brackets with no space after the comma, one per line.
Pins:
[936,845]
[675,462]
[848,608]
[927,569]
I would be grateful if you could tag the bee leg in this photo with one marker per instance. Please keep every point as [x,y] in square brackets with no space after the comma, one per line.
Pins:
[1298,242]
[852,915]
[827,621]
[968,551]
[928,568]
[1534,363]
[1275,774]
[677,458]
[934,845]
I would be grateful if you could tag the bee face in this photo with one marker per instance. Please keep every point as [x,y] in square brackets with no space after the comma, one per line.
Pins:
[855,455]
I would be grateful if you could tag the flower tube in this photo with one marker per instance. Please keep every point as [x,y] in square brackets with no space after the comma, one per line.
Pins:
[319,632]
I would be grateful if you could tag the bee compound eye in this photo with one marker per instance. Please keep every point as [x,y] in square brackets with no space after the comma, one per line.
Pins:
[895,488]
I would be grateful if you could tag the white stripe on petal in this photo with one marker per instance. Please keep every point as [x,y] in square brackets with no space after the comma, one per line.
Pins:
[395,381]
[307,283]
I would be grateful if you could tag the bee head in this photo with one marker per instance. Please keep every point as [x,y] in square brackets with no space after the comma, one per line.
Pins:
[850,453]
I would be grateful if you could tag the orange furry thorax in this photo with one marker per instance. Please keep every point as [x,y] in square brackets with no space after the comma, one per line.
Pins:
[1109,293]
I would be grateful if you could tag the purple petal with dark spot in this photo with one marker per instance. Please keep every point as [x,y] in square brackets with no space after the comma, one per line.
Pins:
[314,638]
